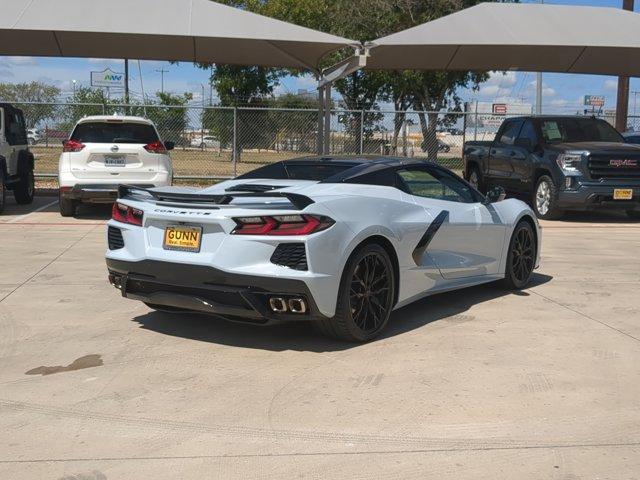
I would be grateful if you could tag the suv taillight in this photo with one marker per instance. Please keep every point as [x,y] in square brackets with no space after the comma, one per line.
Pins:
[282,225]
[126,214]
[155,147]
[72,146]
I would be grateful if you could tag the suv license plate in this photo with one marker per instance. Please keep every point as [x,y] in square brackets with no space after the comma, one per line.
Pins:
[182,238]
[623,194]
[115,161]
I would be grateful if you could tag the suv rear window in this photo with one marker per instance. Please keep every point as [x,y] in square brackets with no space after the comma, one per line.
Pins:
[102,132]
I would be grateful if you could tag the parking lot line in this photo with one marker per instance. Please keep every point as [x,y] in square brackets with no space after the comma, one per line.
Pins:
[22,217]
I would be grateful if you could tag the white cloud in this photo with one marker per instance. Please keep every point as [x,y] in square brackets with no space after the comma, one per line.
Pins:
[611,84]
[559,102]
[502,79]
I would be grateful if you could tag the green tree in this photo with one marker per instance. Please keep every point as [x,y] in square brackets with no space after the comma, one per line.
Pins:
[33,93]
[84,102]
[170,115]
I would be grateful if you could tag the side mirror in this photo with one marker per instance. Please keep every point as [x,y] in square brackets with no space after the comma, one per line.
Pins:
[524,143]
[169,145]
[496,194]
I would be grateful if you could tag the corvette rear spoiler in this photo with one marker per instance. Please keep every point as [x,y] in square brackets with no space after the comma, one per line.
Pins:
[299,201]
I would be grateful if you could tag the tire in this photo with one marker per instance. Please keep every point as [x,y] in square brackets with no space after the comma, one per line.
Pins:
[3,191]
[355,295]
[521,258]
[633,214]
[478,183]
[68,206]
[545,199]
[25,189]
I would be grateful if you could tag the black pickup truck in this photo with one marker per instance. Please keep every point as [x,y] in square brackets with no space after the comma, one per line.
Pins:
[560,163]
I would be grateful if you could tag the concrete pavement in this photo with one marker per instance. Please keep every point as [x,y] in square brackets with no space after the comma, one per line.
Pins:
[476,384]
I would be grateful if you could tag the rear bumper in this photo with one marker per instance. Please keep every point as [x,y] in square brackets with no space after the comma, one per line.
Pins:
[211,291]
[95,193]
[593,197]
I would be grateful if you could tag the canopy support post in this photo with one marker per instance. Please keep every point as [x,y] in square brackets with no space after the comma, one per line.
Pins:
[326,143]
[325,80]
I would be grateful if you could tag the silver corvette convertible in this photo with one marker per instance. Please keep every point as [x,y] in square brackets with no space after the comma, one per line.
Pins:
[337,241]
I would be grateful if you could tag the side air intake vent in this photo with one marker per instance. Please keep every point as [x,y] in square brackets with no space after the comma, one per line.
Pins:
[292,255]
[114,235]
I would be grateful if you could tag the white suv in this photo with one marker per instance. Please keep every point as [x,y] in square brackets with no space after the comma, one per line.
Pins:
[104,152]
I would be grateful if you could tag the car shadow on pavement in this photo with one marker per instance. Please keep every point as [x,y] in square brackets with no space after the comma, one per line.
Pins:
[94,212]
[301,336]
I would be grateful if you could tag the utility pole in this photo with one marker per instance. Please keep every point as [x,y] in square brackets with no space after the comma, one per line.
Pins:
[539,89]
[162,71]
[126,81]
[622,104]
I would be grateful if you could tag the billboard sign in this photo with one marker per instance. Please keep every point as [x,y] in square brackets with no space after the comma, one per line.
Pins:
[107,78]
[491,115]
[594,100]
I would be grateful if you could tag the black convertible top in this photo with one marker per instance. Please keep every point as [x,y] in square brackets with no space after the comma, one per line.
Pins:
[332,168]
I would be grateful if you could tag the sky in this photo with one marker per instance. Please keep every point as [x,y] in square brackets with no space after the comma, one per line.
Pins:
[562,93]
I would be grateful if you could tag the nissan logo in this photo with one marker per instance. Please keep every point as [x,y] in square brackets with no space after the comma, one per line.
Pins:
[623,163]
[115,148]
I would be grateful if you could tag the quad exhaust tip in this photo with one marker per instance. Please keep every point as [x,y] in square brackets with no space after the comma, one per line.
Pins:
[278,305]
[283,305]
[297,305]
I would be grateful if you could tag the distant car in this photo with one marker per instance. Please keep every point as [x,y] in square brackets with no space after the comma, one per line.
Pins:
[338,241]
[33,136]
[205,142]
[106,151]
[443,147]
[632,137]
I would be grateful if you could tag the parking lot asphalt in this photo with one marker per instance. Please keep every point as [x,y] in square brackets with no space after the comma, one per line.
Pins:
[480,383]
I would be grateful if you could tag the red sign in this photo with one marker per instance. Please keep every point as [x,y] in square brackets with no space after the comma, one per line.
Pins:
[500,108]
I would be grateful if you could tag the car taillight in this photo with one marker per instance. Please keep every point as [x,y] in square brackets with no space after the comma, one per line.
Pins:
[72,146]
[125,214]
[282,225]
[155,147]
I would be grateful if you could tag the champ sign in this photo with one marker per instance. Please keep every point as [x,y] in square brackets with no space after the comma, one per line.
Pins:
[107,78]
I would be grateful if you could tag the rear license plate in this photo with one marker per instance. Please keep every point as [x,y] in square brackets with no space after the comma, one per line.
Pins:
[184,239]
[623,194]
[115,161]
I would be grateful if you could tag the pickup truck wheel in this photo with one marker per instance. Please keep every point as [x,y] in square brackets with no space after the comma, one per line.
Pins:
[521,258]
[633,214]
[475,179]
[67,206]
[545,199]
[25,189]
[3,191]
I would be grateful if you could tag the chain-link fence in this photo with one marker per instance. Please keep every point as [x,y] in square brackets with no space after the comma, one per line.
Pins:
[221,142]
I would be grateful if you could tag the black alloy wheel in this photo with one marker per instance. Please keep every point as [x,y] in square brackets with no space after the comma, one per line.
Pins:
[366,296]
[522,256]
[370,295]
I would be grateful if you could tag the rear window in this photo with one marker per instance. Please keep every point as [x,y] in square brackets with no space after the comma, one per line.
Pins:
[568,130]
[313,171]
[101,132]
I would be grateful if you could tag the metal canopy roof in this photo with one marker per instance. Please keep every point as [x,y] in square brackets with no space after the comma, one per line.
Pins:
[529,37]
[187,30]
